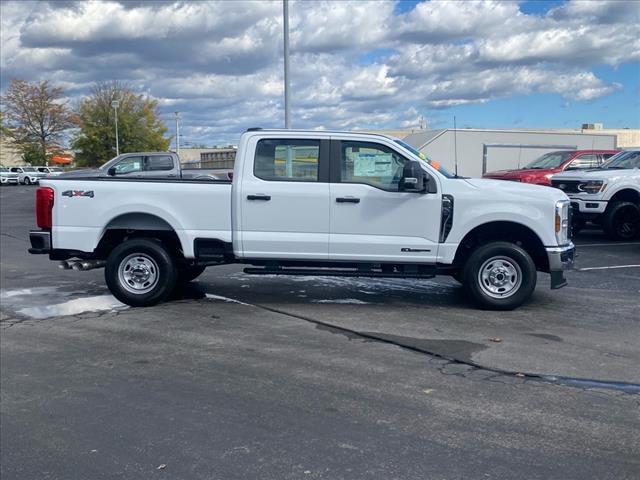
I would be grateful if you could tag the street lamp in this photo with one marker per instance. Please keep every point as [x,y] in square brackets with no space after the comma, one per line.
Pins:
[115,104]
[287,93]
[177,117]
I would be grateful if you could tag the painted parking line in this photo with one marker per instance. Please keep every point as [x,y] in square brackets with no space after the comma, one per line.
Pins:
[607,268]
[606,244]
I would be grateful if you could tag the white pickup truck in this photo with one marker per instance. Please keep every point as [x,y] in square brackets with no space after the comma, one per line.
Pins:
[310,203]
[609,195]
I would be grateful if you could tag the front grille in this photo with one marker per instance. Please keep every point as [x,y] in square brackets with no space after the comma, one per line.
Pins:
[567,186]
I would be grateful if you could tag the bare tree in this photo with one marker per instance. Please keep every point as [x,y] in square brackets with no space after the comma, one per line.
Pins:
[36,118]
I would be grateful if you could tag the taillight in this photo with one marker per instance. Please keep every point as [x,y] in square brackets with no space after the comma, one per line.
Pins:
[44,207]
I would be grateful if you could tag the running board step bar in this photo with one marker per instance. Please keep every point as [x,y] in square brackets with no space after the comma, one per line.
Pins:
[321,272]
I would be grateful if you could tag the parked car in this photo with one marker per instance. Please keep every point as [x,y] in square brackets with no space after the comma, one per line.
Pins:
[50,171]
[544,167]
[148,165]
[32,175]
[8,177]
[310,203]
[608,196]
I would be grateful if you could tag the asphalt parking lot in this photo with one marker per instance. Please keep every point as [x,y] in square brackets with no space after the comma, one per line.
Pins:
[287,377]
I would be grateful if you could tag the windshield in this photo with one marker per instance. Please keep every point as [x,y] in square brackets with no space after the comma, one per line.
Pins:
[424,158]
[550,160]
[55,169]
[29,169]
[624,160]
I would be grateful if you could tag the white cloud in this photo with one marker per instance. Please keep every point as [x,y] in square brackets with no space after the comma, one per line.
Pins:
[354,64]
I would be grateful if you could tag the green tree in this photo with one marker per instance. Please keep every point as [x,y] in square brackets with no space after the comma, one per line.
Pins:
[37,118]
[139,126]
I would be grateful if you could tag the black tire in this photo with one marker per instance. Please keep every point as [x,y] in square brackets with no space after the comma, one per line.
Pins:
[139,257]
[186,273]
[502,262]
[26,181]
[622,221]
[458,276]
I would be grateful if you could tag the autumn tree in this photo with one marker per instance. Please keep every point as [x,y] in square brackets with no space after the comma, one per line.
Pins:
[139,126]
[36,118]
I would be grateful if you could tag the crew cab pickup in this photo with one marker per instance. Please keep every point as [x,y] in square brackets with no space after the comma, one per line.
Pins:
[310,203]
[148,165]
[609,196]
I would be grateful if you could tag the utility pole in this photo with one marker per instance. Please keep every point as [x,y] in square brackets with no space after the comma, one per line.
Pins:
[287,93]
[177,114]
[115,104]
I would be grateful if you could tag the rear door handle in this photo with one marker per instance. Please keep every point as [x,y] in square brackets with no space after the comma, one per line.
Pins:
[347,200]
[260,196]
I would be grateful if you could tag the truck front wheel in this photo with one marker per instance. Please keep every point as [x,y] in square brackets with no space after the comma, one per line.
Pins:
[499,276]
[622,221]
[140,272]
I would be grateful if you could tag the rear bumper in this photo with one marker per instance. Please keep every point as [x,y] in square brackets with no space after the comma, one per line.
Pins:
[560,259]
[40,242]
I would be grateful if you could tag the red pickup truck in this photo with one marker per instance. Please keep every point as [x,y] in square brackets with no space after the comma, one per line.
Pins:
[542,168]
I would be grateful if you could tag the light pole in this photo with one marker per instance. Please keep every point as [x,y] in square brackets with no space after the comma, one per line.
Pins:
[177,114]
[287,94]
[115,104]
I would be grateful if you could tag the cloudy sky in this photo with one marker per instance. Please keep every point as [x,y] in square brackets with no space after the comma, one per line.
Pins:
[355,64]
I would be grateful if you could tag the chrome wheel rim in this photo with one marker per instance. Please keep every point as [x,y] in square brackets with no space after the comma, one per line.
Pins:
[138,273]
[500,277]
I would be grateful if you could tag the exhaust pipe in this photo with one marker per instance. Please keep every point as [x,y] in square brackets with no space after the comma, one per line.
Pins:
[81,265]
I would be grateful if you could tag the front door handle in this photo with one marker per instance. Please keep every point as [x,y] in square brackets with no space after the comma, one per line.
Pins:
[347,200]
[260,196]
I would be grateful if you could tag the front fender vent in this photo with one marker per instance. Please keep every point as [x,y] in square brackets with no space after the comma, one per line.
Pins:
[446,217]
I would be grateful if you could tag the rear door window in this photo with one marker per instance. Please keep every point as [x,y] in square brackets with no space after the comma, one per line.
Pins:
[287,160]
[158,163]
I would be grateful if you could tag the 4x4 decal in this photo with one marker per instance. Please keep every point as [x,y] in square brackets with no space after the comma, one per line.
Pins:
[78,193]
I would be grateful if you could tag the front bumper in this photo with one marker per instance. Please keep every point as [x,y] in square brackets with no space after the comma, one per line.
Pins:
[560,259]
[582,206]
[10,180]
[40,242]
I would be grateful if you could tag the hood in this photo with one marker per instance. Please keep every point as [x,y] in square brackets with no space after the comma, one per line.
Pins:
[524,172]
[596,174]
[517,190]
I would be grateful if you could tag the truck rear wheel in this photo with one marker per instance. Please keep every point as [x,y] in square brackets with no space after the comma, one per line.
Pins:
[140,272]
[499,276]
[622,221]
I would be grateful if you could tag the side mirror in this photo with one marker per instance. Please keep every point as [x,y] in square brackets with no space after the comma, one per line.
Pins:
[111,172]
[412,178]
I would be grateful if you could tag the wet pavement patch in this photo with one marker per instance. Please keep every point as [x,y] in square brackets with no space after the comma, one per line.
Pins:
[46,302]
[460,350]
[547,336]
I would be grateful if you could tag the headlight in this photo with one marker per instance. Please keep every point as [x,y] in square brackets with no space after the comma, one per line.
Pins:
[562,222]
[592,186]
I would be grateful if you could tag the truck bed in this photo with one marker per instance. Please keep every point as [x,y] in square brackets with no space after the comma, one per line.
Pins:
[84,209]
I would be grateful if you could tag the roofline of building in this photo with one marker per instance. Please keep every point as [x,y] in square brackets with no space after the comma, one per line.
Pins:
[495,130]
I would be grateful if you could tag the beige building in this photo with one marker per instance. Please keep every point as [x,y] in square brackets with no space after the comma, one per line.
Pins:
[215,157]
[9,156]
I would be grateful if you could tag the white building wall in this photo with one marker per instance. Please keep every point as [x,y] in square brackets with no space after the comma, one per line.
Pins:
[470,147]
